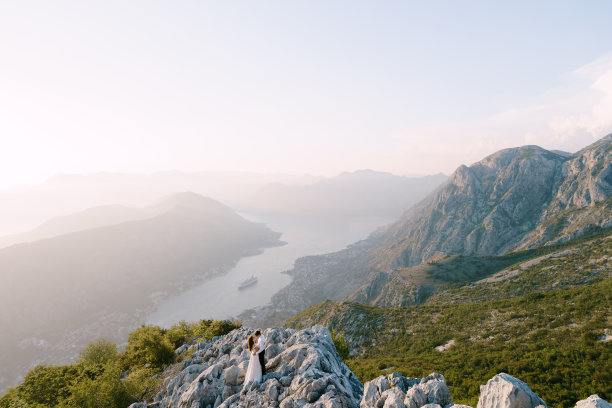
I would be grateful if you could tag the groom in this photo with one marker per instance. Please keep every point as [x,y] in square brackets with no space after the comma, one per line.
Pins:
[260,341]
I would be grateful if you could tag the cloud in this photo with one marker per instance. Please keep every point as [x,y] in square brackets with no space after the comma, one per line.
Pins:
[594,119]
[568,117]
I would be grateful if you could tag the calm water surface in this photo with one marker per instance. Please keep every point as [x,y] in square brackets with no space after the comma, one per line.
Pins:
[220,298]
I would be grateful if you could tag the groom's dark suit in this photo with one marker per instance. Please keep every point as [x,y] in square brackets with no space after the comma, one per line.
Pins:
[261,341]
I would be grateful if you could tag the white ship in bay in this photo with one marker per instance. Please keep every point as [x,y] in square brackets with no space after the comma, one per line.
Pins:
[249,282]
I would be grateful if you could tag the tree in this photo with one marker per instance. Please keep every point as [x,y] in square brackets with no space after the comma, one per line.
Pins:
[46,385]
[148,345]
[98,352]
[104,391]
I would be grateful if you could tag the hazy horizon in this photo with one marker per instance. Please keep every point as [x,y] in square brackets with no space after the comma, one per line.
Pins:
[295,88]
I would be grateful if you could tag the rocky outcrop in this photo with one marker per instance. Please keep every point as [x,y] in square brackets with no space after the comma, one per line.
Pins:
[505,391]
[397,391]
[594,401]
[304,370]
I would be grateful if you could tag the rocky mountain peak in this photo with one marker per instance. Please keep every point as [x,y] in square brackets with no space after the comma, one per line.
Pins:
[492,206]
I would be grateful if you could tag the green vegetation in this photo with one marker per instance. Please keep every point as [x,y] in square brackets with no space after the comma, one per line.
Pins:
[104,378]
[341,344]
[549,340]
[569,266]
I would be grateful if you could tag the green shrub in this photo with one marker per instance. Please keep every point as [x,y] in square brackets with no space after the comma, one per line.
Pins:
[341,344]
[148,345]
[46,385]
[100,352]
[104,391]
[143,383]
[180,333]
[211,328]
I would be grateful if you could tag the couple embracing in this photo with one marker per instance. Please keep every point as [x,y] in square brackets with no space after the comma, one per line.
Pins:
[257,365]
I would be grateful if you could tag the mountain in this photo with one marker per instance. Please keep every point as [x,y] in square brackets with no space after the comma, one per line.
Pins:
[515,199]
[58,293]
[541,315]
[359,193]
[90,218]
[24,207]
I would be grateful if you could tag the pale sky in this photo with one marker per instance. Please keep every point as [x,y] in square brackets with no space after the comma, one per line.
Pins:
[319,87]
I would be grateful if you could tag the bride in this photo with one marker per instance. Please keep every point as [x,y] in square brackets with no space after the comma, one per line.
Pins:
[254,371]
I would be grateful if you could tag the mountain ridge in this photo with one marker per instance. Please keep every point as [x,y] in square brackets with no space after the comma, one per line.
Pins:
[514,199]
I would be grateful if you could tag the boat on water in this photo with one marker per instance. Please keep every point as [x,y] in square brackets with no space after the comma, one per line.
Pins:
[249,282]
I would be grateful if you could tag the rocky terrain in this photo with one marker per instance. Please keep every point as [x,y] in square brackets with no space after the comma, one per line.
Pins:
[305,371]
[303,367]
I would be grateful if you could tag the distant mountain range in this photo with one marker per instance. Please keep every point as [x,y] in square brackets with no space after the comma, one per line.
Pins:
[88,199]
[60,292]
[514,199]
[24,207]
[360,193]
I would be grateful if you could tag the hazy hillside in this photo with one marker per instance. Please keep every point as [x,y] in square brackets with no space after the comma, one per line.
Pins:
[90,218]
[60,292]
[360,193]
[24,207]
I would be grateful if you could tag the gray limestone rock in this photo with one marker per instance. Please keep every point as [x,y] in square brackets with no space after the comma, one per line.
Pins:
[397,391]
[594,401]
[505,391]
[304,370]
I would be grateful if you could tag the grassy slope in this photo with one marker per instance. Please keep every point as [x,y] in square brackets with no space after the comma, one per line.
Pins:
[541,326]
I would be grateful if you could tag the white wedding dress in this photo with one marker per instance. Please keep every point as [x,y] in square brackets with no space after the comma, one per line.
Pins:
[254,371]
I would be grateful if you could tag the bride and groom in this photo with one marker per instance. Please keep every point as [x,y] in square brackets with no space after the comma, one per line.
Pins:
[257,366]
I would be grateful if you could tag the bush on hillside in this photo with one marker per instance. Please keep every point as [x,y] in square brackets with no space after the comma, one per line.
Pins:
[147,345]
[99,352]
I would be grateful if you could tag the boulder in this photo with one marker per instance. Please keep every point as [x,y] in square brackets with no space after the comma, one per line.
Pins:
[505,391]
[395,390]
[594,401]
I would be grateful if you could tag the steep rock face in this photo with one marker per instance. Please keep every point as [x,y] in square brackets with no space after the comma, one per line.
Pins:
[484,209]
[304,370]
[505,391]
[517,197]
[581,200]
[369,292]
[391,290]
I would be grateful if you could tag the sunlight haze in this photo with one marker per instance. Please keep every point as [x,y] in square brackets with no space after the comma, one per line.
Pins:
[295,87]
